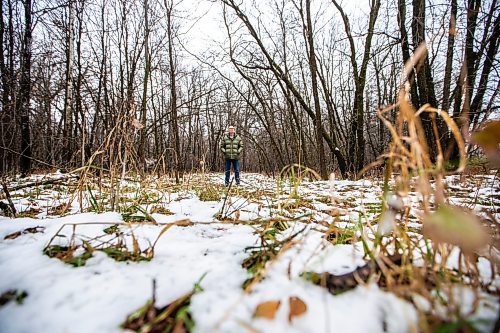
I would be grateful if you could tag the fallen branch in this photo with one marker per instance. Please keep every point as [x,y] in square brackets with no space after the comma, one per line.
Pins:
[40,183]
[222,215]
[337,284]
[9,198]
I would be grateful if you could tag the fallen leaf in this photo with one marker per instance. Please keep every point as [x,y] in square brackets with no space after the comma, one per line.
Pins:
[489,139]
[333,212]
[453,226]
[267,309]
[34,230]
[13,235]
[297,307]
[135,245]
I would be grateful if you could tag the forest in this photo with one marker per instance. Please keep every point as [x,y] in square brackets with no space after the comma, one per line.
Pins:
[301,81]
[364,180]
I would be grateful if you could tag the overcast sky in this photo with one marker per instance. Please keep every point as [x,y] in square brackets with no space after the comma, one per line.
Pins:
[205,24]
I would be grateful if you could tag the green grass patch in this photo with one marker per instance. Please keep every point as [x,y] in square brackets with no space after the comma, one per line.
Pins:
[13,295]
[174,317]
[122,254]
[66,254]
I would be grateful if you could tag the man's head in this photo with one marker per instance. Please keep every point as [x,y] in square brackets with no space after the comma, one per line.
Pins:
[231,130]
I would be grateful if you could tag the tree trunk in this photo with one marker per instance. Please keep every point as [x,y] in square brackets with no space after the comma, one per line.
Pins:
[147,69]
[7,117]
[78,96]
[314,80]
[5,97]
[23,103]
[452,31]
[475,108]
[68,100]
[173,94]
[464,87]
[424,82]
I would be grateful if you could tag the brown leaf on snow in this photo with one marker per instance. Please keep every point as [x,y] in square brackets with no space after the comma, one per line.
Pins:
[267,309]
[297,307]
[32,230]
[13,235]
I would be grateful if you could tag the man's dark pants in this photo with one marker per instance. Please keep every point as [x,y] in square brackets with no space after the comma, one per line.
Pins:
[236,167]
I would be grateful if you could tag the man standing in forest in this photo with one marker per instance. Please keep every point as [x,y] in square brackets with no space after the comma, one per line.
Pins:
[232,146]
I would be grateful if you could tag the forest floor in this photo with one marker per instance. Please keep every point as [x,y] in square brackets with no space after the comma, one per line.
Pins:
[266,256]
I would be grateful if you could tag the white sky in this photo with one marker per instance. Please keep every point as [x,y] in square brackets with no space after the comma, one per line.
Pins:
[205,25]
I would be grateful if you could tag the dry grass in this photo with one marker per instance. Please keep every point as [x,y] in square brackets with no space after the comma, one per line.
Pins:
[408,261]
[409,165]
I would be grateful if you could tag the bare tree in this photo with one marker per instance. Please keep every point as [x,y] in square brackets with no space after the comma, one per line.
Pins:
[169,5]
[357,140]
[293,80]
[68,99]
[23,102]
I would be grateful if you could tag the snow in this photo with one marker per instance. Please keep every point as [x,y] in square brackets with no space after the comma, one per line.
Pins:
[326,313]
[98,296]
[194,209]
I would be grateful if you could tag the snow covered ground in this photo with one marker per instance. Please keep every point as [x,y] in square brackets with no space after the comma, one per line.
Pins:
[99,295]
